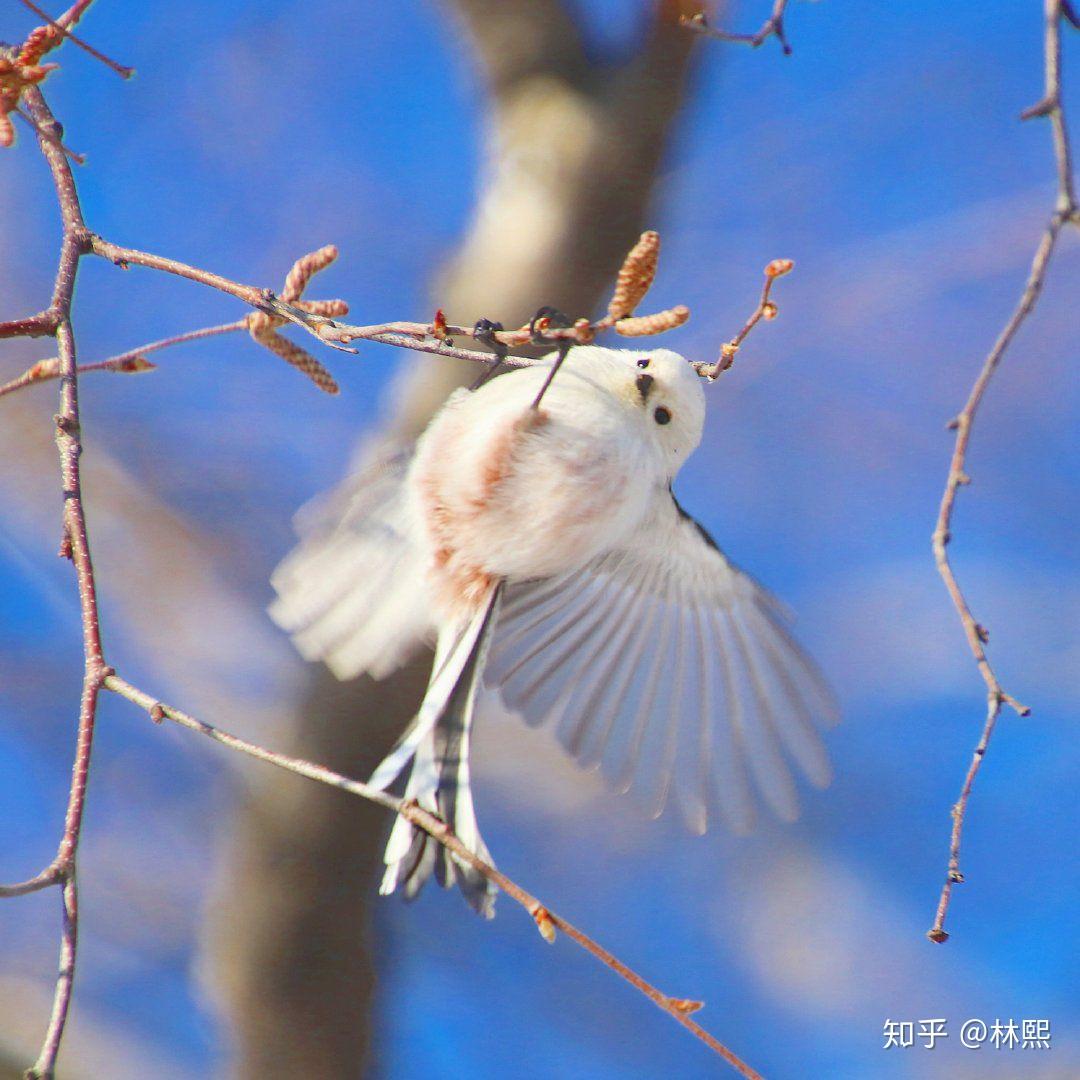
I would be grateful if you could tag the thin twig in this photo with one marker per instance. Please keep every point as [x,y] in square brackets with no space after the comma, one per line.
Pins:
[125,257]
[772,27]
[1065,212]
[436,337]
[79,159]
[678,1008]
[47,878]
[131,362]
[46,370]
[44,1067]
[765,309]
[43,324]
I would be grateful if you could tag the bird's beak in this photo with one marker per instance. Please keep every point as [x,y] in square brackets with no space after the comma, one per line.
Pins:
[644,384]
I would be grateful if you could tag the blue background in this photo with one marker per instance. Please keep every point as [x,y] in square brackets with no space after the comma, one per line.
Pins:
[884,157]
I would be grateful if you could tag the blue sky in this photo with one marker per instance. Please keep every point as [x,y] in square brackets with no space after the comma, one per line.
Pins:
[886,158]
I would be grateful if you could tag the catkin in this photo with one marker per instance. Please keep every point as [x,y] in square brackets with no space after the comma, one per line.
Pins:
[300,274]
[644,325]
[635,276]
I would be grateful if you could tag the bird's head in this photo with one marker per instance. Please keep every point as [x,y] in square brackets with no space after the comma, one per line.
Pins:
[660,391]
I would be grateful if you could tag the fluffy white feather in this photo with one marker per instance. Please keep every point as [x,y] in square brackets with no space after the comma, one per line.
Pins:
[621,623]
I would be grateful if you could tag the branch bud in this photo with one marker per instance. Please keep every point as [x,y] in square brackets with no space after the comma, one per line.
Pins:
[544,924]
[779,267]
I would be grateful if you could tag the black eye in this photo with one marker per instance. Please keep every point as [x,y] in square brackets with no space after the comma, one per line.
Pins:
[644,362]
[661,415]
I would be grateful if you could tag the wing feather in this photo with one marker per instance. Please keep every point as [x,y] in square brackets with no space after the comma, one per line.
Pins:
[668,718]
[349,593]
[670,669]
[759,733]
[528,626]
[695,706]
[797,732]
[610,698]
[556,671]
[730,774]
[539,665]
[657,657]
[623,614]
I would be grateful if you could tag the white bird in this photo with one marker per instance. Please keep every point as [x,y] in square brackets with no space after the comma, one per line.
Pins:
[545,548]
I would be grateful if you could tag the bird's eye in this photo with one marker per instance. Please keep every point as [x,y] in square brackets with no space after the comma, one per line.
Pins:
[662,415]
[644,362]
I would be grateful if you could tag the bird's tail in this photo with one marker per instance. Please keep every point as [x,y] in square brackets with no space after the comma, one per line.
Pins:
[437,742]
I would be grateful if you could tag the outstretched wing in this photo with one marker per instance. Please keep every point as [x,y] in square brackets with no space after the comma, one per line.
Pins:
[671,669]
[351,592]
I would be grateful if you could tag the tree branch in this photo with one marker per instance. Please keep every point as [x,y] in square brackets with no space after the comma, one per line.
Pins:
[772,27]
[316,318]
[76,546]
[1065,213]
[765,309]
[547,920]
[126,363]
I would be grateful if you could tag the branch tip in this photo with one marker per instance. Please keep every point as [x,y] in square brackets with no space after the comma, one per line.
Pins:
[772,27]
[766,310]
[779,267]
[1044,107]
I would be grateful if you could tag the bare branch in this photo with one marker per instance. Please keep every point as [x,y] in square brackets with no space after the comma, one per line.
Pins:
[765,309]
[44,370]
[772,27]
[547,921]
[1065,212]
[47,878]
[43,324]
[44,1067]
[75,544]
[79,159]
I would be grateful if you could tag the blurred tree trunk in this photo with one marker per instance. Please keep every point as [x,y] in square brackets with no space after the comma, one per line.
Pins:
[574,148]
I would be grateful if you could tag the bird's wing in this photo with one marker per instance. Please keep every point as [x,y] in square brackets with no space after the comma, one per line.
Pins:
[351,592]
[672,670]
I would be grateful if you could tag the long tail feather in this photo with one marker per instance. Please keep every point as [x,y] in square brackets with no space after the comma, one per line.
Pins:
[437,742]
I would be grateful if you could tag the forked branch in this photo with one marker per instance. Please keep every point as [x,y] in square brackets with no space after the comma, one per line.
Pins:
[547,921]
[1065,213]
[772,27]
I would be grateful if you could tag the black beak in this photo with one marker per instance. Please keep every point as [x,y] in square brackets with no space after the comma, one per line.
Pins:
[644,385]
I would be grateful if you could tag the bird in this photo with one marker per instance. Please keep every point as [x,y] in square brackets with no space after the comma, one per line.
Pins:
[534,533]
